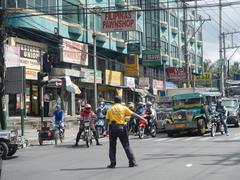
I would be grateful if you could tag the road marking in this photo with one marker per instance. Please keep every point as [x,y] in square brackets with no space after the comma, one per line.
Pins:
[175,139]
[189,139]
[204,138]
[161,139]
[188,165]
[147,139]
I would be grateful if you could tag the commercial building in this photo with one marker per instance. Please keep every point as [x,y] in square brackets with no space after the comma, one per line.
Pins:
[132,47]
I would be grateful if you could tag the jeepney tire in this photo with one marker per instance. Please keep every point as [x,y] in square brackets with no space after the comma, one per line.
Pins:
[12,151]
[237,123]
[4,150]
[201,127]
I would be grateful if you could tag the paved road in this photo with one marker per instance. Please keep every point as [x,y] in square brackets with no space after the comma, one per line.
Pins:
[183,158]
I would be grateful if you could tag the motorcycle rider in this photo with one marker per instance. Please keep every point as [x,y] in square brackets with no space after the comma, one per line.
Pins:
[140,111]
[58,118]
[150,111]
[132,120]
[223,116]
[101,115]
[86,114]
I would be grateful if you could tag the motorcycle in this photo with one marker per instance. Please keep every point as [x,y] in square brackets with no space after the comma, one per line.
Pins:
[100,126]
[216,125]
[87,133]
[147,127]
[59,132]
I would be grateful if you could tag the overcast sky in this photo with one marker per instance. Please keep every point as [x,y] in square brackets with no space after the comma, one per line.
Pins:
[230,22]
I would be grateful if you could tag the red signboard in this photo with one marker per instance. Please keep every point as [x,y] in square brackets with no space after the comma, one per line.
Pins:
[119,21]
[176,73]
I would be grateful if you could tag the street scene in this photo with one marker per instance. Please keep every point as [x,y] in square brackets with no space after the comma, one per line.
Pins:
[125,89]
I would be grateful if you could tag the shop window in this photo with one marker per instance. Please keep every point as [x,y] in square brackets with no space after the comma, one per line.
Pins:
[68,7]
[164,47]
[11,3]
[173,21]
[22,3]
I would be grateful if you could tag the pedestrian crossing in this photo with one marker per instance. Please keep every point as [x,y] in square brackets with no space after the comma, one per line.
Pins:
[207,137]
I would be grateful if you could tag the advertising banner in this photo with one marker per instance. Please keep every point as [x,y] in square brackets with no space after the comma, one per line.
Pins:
[144,83]
[132,66]
[176,73]
[12,56]
[87,76]
[74,52]
[114,78]
[129,82]
[157,84]
[205,77]
[119,21]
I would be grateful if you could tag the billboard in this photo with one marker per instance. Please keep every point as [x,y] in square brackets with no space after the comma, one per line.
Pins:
[119,21]
[132,66]
[114,78]
[87,76]
[176,73]
[74,52]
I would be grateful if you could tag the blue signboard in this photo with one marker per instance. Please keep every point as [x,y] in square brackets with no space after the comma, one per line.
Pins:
[133,48]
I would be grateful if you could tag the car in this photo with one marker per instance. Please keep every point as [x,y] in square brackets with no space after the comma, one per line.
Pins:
[232,106]
[8,143]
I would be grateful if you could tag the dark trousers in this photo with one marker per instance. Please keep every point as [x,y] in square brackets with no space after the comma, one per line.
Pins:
[93,129]
[46,109]
[116,131]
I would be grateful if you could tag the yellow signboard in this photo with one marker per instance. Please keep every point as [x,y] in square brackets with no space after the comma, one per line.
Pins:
[205,77]
[132,66]
[114,78]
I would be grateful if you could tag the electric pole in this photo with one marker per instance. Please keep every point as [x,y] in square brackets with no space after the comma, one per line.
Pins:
[222,86]
[3,108]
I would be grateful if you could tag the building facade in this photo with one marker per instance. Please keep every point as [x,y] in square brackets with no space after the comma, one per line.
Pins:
[129,63]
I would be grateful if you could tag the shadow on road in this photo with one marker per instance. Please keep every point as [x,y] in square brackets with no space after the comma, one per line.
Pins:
[89,168]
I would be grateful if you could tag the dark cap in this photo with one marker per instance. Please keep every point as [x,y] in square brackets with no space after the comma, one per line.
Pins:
[117,99]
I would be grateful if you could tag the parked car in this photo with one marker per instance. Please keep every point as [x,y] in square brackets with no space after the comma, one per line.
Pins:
[8,143]
[232,106]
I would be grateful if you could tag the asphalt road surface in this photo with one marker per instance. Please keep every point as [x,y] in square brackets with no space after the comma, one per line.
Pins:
[166,158]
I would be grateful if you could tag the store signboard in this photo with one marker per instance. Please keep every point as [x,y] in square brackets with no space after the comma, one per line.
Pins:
[74,52]
[176,73]
[143,83]
[12,56]
[157,84]
[129,82]
[119,21]
[114,78]
[87,76]
[133,48]
[132,65]
[204,77]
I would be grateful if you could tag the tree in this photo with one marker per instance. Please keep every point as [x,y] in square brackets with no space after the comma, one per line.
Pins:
[234,69]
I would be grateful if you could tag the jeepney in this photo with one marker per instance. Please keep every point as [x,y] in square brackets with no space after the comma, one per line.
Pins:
[188,115]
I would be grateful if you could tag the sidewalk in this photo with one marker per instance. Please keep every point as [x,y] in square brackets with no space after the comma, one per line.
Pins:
[32,124]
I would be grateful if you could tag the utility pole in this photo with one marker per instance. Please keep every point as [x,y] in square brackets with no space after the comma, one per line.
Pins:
[3,108]
[222,86]
[95,62]
[186,41]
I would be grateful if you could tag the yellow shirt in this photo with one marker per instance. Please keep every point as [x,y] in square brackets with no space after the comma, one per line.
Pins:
[118,113]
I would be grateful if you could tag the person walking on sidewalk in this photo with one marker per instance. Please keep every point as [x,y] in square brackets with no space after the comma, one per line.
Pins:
[118,129]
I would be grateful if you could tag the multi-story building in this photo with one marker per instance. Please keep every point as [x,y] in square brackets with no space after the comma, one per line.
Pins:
[61,31]
[165,38]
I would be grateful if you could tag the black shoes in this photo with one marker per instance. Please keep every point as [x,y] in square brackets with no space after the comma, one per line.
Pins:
[99,144]
[75,145]
[132,165]
[111,166]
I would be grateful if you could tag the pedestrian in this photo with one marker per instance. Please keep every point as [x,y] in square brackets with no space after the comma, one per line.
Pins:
[46,99]
[118,129]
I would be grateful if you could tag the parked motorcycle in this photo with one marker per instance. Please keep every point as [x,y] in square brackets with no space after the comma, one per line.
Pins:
[216,125]
[147,127]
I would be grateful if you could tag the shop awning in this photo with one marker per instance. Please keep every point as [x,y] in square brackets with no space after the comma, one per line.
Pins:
[141,92]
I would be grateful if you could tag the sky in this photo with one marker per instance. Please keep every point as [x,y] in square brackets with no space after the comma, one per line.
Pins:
[230,23]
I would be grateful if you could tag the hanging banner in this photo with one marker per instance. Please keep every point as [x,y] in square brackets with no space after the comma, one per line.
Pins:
[157,84]
[119,21]
[74,52]
[114,78]
[12,56]
[143,83]
[87,75]
[132,66]
[129,82]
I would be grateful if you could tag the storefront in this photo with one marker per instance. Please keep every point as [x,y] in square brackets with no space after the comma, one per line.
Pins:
[30,54]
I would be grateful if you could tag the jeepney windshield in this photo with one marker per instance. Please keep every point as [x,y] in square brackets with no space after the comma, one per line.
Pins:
[185,102]
[230,103]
